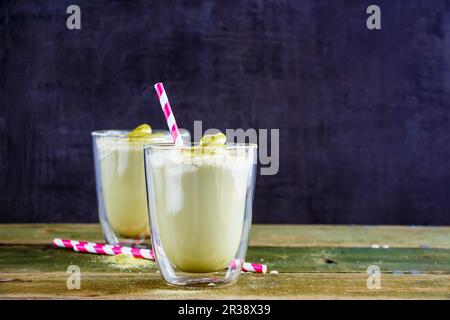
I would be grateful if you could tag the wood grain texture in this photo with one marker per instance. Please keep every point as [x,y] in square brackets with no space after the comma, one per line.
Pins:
[364,115]
[261,235]
[309,268]
[281,286]
[44,258]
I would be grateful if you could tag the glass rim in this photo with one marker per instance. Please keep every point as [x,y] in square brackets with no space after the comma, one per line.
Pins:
[164,146]
[123,133]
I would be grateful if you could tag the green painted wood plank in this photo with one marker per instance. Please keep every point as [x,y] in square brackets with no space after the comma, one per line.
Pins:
[262,235]
[312,261]
[38,258]
[350,236]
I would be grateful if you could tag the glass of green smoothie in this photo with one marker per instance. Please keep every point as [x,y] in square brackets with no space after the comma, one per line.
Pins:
[120,182]
[200,207]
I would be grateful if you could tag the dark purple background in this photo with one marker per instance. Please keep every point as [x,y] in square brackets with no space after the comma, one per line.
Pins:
[363,115]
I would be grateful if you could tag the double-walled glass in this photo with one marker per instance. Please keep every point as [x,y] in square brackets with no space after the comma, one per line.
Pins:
[120,182]
[200,207]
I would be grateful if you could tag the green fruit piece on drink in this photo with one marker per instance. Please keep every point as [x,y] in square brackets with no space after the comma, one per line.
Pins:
[140,133]
[212,140]
[142,130]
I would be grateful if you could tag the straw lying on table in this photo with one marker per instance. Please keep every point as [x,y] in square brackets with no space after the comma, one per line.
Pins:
[99,248]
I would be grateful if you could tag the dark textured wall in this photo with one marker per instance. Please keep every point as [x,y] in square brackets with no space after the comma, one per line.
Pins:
[363,115]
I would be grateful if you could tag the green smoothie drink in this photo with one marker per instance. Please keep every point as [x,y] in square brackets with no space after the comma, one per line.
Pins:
[200,206]
[124,188]
[120,179]
[201,224]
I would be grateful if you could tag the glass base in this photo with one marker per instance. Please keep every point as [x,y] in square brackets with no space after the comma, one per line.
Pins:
[113,239]
[207,282]
[135,243]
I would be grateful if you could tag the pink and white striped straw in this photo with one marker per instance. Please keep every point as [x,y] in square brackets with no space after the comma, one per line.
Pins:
[106,249]
[167,110]
[249,267]
[100,248]
[254,267]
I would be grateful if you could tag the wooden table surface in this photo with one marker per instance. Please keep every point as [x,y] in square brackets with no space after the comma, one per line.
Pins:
[313,262]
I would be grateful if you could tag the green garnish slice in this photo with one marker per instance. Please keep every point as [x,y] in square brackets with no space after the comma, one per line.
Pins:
[213,140]
[141,133]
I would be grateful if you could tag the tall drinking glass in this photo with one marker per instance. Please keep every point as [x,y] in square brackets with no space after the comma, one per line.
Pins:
[200,207]
[120,182]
